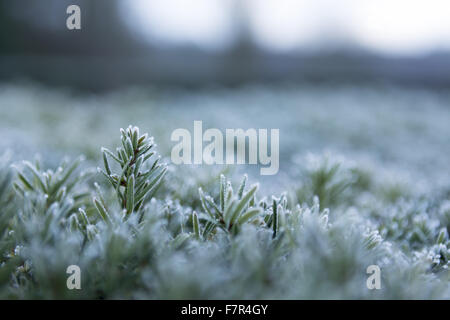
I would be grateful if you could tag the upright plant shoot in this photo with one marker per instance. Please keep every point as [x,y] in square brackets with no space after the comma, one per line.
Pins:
[138,176]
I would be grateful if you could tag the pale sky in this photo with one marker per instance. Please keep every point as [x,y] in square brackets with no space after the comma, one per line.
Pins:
[384,26]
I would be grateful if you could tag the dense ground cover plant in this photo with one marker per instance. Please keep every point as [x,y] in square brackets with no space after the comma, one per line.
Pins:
[374,156]
[132,240]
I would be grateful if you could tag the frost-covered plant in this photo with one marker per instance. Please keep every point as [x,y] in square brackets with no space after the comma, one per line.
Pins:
[59,186]
[7,244]
[227,243]
[325,179]
[232,210]
[136,179]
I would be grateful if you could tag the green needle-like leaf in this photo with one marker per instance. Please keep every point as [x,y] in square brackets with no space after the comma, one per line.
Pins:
[130,194]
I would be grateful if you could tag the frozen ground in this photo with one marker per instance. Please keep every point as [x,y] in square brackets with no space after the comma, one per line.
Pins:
[401,134]
[378,157]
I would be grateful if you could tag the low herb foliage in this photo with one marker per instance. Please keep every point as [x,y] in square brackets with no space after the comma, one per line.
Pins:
[133,238]
[134,182]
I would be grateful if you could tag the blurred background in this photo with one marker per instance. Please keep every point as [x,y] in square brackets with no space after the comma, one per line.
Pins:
[228,42]
[364,82]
